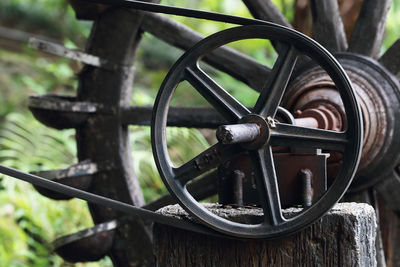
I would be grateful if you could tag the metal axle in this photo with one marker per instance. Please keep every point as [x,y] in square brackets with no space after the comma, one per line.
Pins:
[238,133]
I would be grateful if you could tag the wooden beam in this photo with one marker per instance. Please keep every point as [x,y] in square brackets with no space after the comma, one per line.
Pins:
[328,27]
[266,10]
[368,32]
[234,63]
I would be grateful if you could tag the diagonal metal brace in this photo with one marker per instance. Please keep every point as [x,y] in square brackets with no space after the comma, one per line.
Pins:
[135,212]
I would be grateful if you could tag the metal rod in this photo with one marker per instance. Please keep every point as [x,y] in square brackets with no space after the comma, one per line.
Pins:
[238,133]
[137,213]
[179,11]
[200,188]
[238,177]
[307,122]
[306,175]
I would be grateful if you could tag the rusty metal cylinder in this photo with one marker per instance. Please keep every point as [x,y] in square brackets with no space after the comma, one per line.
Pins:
[238,177]
[306,176]
[378,93]
[238,133]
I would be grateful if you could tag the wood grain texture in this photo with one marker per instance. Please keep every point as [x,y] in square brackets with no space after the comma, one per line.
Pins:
[266,10]
[390,231]
[368,32]
[228,60]
[344,237]
[391,59]
[115,37]
[328,27]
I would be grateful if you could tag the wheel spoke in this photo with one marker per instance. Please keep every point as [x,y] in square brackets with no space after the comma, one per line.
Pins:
[391,59]
[267,185]
[368,32]
[266,10]
[207,160]
[271,95]
[290,135]
[328,27]
[221,100]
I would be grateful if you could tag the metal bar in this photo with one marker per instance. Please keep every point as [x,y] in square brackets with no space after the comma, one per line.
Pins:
[220,99]
[199,189]
[306,176]
[179,11]
[306,122]
[238,177]
[136,212]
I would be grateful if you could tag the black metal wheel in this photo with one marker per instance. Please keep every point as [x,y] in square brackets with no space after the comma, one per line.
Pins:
[259,143]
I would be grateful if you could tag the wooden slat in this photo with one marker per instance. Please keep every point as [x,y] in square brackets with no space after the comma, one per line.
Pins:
[266,10]
[236,64]
[328,27]
[368,32]
[191,117]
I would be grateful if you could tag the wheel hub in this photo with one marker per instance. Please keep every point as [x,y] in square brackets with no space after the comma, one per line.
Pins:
[252,132]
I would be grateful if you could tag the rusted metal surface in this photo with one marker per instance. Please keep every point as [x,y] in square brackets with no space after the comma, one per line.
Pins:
[238,133]
[238,177]
[312,94]
[318,117]
[290,180]
[87,245]
[308,192]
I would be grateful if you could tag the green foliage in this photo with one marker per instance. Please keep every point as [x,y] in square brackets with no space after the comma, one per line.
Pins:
[183,144]
[39,17]
[24,74]
[27,145]
[392,26]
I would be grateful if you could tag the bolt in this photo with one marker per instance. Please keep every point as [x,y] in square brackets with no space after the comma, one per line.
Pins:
[271,122]
[306,175]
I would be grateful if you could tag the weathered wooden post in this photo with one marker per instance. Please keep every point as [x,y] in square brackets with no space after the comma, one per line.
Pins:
[343,237]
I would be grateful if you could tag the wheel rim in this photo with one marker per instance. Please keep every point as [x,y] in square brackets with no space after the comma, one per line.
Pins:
[279,225]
